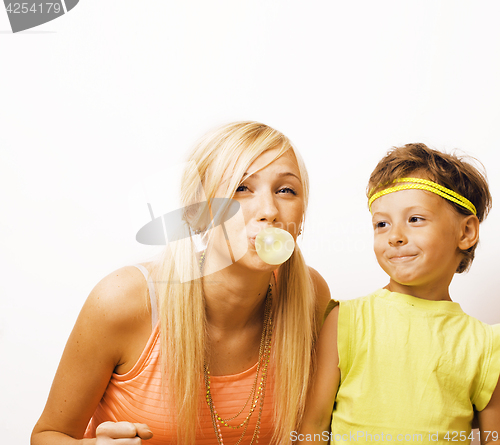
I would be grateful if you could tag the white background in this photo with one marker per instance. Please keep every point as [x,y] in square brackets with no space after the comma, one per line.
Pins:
[116,91]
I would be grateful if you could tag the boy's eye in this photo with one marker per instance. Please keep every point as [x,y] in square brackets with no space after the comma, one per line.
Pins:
[380,225]
[415,219]
[287,190]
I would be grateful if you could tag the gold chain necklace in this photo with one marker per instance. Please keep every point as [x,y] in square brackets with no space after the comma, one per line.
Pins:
[256,394]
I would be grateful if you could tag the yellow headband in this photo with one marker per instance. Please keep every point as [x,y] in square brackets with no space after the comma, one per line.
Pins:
[424,184]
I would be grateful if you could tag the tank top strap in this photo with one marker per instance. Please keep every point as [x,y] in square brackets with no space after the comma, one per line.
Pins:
[152,294]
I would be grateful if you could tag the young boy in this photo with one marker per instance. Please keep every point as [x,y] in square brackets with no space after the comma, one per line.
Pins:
[407,365]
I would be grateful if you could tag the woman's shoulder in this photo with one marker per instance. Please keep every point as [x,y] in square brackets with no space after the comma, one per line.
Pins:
[117,316]
[109,336]
[120,297]
[322,292]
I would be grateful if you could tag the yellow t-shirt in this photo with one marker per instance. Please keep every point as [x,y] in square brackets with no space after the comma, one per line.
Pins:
[411,370]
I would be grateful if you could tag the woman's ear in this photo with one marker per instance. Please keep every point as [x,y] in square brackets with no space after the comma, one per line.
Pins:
[469,232]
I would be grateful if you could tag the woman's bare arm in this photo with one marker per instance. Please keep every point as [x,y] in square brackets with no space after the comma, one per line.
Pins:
[322,292]
[112,323]
[319,406]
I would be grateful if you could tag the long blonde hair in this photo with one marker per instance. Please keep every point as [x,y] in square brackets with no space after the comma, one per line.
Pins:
[227,152]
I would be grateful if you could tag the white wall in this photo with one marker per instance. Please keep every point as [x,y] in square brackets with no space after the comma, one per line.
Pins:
[114,91]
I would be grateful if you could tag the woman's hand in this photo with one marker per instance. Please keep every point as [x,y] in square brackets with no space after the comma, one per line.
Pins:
[128,433]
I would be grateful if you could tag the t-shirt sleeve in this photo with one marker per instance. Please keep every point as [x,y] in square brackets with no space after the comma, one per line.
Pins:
[331,304]
[491,371]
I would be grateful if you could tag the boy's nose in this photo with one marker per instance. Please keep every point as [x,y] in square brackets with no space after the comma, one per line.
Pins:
[397,237]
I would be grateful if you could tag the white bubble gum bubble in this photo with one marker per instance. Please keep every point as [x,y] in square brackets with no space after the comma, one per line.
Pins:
[274,246]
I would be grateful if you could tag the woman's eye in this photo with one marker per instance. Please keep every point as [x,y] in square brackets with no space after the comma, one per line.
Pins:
[287,190]
[242,188]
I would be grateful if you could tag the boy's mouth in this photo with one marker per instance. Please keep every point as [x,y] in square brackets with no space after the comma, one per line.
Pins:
[401,258]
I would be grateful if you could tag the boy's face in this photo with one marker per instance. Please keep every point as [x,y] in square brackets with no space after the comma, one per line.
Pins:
[417,235]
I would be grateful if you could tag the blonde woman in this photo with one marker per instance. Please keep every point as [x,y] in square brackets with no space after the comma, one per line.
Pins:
[190,349]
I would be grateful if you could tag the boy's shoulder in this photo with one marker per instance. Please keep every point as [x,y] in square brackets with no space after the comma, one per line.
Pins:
[360,310]
[366,299]
[382,303]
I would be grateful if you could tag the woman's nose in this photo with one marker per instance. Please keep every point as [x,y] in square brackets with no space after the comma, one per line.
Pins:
[266,208]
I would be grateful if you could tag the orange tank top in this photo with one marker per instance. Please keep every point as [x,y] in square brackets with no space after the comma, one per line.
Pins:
[136,397]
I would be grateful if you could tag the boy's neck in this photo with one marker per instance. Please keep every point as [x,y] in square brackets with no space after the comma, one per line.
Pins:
[430,292]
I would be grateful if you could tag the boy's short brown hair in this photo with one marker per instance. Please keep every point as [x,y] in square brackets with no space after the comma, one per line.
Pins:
[449,170]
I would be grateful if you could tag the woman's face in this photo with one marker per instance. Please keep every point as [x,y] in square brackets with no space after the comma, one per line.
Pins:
[273,196]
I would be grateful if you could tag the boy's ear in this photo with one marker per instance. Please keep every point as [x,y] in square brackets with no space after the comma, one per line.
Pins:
[469,234]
